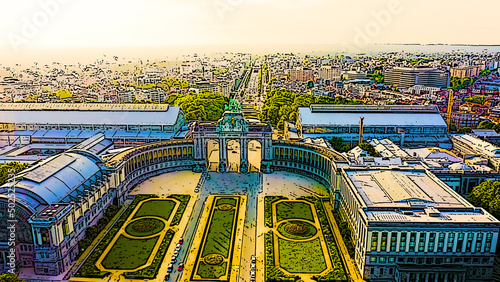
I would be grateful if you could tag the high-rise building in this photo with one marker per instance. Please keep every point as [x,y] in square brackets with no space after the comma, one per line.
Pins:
[301,74]
[408,77]
[465,71]
[329,73]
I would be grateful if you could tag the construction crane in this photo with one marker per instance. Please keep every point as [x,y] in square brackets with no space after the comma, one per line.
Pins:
[449,109]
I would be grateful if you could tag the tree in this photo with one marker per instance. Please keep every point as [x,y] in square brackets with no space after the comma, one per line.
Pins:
[465,129]
[63,94]
[369,149]
[10,168]
[487,195]
[338,145]
[207,105]
[9,277]
[486,124]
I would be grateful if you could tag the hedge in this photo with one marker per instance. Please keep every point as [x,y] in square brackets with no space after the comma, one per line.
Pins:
[89,268]
[268,208]
[184,199]
[271,272]
[151,271]
[337,274]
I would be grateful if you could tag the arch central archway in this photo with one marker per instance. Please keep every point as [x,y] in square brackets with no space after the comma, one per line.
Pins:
[233,156]
[213,155]
[254,155]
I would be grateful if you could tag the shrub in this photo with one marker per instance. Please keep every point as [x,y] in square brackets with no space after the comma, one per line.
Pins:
[151,271]
[268,211]
[184,199]
[89,269]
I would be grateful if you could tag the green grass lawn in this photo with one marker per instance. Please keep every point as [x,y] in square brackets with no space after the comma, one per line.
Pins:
[129,253]
[133,229]
[160,208]
[208,271]
[301,257]
[230,201]
[218,239]
[311,230]
[293,210]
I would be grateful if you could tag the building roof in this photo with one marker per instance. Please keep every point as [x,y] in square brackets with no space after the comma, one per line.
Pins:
[23,116]
[83,107]
[351,118]
[398,188]
[51,180]
[411,195]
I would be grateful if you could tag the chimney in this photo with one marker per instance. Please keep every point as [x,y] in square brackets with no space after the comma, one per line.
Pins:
[361,128]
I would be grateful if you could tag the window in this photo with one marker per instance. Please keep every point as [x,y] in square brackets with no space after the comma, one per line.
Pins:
[432,239]
[383,243]
[374,241]
[373,259]
[421,243]
[440,242]
[413,238]
[393,241]
[402,242]
[381,259]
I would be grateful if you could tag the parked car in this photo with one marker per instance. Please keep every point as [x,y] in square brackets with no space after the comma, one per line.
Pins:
[181,267]
[181,241]
[252,266]
[252,274]
[174,261]
[170,268]
[254,259]
[167,277]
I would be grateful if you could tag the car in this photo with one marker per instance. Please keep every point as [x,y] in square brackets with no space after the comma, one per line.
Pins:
[174,261]
[252,266]
[252,274]
[181,241]
[196,190]
[181,267]
[174,256]
[170,268]
[176,253]
[167,277]
[254,259]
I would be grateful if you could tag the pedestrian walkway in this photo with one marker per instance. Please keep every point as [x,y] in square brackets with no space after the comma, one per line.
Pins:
[351,267]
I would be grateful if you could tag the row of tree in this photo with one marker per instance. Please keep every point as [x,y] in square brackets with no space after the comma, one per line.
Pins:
[281,105]
[9,168]
[487,196]
[207,105]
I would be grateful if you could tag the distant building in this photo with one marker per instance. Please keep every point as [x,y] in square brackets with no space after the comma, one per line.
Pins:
[301,74]
[354,75]
[465,71]
[329,73]
[465,119]
[409,126]
[407,225]
[408,77]
[470,145]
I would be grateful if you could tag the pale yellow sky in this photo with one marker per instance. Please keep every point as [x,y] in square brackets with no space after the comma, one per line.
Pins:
[31,24]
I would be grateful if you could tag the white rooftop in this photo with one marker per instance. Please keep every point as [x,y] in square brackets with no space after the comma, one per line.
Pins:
[350,117]
[397,188]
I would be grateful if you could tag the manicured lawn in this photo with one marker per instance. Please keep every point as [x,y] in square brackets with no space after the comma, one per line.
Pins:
[208,271]
[129,253]
[301,257]
[218,239]
[144,227]
[286,229]
[229,201]
[160,208]
[294,210]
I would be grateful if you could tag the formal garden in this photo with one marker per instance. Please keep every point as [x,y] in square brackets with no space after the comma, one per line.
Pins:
[300,242]
[214,256]
[137,238]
